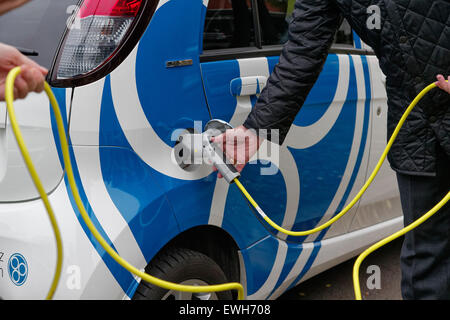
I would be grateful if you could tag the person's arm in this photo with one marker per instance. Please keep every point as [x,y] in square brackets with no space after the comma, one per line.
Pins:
[311,34]
[8,5]
[31,79]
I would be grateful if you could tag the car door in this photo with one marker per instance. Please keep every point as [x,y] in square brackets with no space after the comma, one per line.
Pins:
[381,202]
[35,29]
[323,161]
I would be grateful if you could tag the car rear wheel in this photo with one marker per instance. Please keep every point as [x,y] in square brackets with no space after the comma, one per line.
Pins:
[183,266]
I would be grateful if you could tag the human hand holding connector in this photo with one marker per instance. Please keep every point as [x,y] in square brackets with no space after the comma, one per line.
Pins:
[239,145]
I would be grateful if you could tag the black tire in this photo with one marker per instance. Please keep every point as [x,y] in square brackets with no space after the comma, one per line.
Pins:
[181,265]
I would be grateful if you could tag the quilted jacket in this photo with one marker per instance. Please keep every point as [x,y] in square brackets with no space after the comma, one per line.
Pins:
[412,45]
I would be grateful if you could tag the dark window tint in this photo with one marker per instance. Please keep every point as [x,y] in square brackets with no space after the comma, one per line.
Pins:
[274,18]
[228,24]
[344,36]
[38,26]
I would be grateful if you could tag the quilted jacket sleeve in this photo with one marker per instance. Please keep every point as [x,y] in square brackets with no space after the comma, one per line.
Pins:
[311,34]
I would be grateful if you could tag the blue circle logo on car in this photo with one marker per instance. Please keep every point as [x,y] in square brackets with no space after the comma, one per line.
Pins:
[18,269]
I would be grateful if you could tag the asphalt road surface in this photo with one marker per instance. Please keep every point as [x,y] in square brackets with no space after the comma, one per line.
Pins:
[337,283]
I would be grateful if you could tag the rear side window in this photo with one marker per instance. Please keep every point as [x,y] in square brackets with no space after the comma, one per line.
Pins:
[275,16]
[37,26]
[228,24]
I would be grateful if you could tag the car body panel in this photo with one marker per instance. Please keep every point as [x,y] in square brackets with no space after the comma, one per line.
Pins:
[15,183]
[37,33]
[122,132]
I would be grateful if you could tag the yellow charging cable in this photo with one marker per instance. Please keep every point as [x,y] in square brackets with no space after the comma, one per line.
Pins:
[356,199]
[162,283]
[360,193]
[394,236]
[9,97]
[69,171]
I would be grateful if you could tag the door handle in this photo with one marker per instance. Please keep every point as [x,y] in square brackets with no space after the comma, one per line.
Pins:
[247,86]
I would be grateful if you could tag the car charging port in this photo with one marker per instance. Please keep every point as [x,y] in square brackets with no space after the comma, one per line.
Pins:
[194,149]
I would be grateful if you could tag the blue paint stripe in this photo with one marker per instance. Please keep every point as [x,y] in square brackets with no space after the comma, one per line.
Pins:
[202,29]
[309,262]
[318,244]
[123,277]
[363,138]
[356,41]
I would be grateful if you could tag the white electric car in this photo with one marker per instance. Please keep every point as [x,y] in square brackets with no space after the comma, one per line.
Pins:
[129,75]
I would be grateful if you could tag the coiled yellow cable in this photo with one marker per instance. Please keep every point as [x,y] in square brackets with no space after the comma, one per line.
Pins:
[69,171]
[356,199]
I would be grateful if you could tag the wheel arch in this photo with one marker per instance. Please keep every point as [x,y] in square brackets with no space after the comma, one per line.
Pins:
[214,242]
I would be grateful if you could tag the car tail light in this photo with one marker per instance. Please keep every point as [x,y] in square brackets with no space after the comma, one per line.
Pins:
[101,35]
